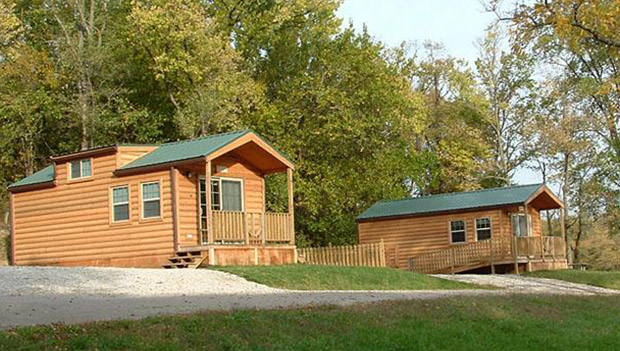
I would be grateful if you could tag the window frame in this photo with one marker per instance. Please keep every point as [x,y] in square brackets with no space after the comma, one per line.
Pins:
[219,181]
[71,179]
[490,228]
[112,204]
[160,199]
[452,242]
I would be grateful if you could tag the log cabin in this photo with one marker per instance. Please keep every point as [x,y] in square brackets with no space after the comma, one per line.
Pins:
[491,230]
[175,205]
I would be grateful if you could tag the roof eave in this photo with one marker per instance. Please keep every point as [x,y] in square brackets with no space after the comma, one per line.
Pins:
[423,214]
[158,166]
[32,186]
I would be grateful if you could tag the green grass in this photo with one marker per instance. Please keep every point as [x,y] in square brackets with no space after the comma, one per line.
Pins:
[602,279]
[306,277]
[512,322]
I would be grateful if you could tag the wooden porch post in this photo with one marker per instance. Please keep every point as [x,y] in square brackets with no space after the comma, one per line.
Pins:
[208,202]
[175,206]
[291,209]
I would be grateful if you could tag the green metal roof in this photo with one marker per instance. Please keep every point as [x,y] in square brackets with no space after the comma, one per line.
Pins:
[43,176]
[185,150]
[451,202]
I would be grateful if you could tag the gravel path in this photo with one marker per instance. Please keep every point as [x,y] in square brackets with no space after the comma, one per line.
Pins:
[518,283]
[44,295]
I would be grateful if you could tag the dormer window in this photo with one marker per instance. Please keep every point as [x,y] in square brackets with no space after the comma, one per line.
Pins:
[80,169]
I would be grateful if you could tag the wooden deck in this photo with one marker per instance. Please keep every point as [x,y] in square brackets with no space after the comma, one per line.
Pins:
[490,253]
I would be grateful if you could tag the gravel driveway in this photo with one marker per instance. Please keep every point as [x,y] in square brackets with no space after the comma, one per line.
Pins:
[518,283]
[43,295]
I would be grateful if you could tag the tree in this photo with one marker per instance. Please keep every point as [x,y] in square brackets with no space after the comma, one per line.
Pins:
[577,41]
[506,80]
[454,139]
[197,67]
[563,133]
[581,38]
[343,122]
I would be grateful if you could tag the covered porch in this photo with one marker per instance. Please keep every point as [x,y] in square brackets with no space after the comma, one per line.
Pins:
[516,245]
[230,208]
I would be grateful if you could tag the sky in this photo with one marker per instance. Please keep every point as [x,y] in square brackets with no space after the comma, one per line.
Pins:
[457,24]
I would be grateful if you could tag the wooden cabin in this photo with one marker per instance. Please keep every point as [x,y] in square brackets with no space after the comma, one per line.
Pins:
[180,204]
[487,230]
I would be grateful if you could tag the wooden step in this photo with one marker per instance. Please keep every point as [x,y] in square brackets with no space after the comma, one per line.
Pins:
[176,265]
[186,259]
[189,253]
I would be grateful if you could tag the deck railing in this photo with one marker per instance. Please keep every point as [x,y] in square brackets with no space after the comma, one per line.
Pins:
[493,251]
[251,228]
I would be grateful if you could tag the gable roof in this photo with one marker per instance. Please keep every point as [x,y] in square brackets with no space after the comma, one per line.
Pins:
[45,175]
[190,149]
[495,197]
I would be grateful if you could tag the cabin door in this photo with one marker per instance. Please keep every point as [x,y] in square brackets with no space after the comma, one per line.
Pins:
[521,224]
[226,195]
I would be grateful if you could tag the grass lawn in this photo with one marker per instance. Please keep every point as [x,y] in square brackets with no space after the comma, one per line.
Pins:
[307,277]
[609,280]
[512,322]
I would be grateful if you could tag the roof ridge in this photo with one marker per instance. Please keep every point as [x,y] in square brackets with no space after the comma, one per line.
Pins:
[462,192]
[205,137]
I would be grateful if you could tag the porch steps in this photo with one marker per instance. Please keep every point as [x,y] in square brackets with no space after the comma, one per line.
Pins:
[186,259]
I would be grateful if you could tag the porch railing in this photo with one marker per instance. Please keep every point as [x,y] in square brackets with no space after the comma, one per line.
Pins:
[493,251]
[251,228]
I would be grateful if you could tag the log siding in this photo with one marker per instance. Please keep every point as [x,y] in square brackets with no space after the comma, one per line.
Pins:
[71,223]
[411,236]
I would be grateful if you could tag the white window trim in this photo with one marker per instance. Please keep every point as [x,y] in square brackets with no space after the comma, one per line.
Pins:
[457,231]
[477,229]
[70,168]
[128,203]
[142,200]
[219,180]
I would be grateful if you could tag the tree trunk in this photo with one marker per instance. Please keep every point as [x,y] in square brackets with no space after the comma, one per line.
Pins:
[579,223]
[565,175]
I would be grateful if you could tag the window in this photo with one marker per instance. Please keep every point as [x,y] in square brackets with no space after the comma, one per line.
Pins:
[231,195]
[521,224]
[483,229]
[457,232]
[120,204]
[226,195]
[151,203]
[80,168]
